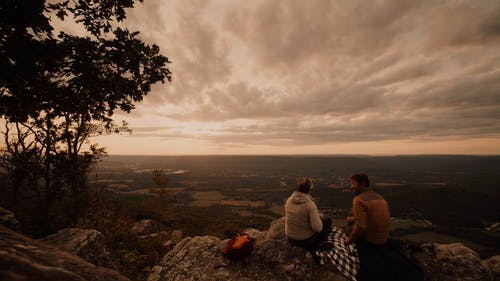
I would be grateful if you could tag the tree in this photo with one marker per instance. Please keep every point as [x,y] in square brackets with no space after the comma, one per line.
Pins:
[161,181]
[58,90]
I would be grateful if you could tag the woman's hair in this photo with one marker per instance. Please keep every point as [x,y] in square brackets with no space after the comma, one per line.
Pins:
[361,178]
[304,184]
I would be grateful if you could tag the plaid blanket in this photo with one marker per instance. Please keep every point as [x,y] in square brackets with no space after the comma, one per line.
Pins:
[344,258]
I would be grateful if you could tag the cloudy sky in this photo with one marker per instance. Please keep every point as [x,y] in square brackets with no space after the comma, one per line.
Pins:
[319,77]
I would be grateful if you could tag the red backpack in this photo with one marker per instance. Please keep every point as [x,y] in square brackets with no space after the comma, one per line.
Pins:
[239,247]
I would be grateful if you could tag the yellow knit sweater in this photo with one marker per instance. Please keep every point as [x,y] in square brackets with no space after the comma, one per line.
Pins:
[371,218]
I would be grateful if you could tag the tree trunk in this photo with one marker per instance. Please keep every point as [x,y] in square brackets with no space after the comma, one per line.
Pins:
[49,196]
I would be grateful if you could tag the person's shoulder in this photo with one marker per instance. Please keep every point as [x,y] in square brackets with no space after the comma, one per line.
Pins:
[310,202]
[373,193]
[363,197]
[357,199]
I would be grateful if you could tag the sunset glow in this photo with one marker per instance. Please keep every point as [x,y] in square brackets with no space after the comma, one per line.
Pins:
[328,77]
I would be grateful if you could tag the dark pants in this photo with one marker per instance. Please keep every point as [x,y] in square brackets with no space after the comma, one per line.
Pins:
[312,243]
[381,262]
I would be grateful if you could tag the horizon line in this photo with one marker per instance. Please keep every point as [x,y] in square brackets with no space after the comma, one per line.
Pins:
[306,154]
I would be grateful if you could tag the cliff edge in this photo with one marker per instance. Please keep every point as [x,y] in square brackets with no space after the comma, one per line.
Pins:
[200,258]
[75,254]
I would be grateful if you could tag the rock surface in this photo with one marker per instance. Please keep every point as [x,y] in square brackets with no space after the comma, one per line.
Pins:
[200,258]
[22,258]
[276,230]
[89,244]
[154,239]
[493,264]
[146,227]
[176,236]
[447,262]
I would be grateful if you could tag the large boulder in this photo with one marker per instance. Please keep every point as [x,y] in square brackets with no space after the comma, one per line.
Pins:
[22,258]
[255,233]
[449,262]
[86,243]
[493,264]
[8,219]
[276,230]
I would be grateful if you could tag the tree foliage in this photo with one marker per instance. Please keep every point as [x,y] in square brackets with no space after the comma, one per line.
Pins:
[161,181]
[57,89]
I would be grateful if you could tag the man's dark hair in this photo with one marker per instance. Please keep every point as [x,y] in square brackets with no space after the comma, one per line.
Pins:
[304,184]
[361,178]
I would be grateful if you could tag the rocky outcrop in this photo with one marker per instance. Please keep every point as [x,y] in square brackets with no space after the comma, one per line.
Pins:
[200,258]
[276,230]
[22,258]
[8,219]
[86,243]
[493,264]
[449,262]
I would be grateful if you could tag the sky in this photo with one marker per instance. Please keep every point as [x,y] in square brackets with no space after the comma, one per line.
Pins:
[318,77]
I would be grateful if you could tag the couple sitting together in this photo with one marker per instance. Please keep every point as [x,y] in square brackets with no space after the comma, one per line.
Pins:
[368,230]
[307,228]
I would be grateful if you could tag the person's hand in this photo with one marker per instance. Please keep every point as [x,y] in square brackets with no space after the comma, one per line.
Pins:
[350,220]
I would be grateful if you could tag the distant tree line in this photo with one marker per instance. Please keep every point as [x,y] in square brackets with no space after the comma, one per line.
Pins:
[59,90]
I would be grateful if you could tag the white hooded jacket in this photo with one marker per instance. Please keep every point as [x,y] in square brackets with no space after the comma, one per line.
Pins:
[302,218]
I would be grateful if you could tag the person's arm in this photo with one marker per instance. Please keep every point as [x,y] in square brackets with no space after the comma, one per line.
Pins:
[314,217]
[360,221]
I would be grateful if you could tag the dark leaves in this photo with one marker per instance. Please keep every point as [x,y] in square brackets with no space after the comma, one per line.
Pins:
[92,76]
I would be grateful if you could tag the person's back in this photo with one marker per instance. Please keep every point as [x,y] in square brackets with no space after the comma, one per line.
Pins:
[304,226]
[370,233]
[371,213]
[302,219]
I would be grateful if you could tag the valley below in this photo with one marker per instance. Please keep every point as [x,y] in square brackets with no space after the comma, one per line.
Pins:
[440,199]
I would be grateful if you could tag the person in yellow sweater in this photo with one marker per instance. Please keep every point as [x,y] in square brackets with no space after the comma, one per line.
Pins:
[370,213]
[370,232]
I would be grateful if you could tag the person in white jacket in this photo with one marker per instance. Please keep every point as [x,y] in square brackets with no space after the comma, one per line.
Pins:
[304,225]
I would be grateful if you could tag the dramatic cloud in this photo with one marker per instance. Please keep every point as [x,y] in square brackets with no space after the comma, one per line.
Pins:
[289,73]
